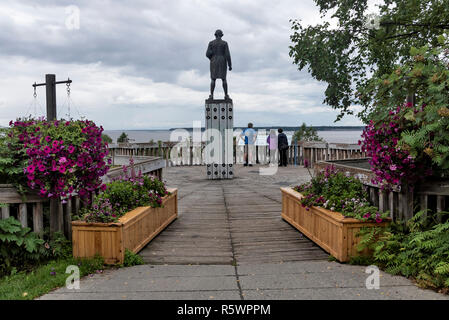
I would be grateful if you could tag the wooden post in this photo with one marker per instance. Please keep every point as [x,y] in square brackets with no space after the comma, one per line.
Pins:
[38,218]
[50,85]
[440,207]
[77,204]
[374,196]
[68,219]
[393,205]
[405,204]
[54,218]
[5,212]
[23,217]
[383,201]
[60,216]
[423,202]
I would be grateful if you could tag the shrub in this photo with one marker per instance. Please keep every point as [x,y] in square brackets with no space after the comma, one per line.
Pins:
[18,245]
[21,249]
[419,249]
[125,193]
[306,134]
[123,138]
[132,259]
[335,191]
[408,143]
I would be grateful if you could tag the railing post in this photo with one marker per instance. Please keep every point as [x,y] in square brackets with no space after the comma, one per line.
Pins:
[23,216]
[38,218]
[5,212]
[440,207]
[68,219]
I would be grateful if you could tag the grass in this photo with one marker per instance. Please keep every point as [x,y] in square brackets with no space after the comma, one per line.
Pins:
[44,278]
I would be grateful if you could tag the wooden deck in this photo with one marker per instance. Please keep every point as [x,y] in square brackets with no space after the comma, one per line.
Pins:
[231,221]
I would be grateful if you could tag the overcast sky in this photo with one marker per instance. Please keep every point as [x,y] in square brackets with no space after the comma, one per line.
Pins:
[141,64]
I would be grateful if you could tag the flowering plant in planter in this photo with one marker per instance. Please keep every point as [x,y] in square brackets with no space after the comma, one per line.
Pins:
[124,194]
[335,191]
[57,158]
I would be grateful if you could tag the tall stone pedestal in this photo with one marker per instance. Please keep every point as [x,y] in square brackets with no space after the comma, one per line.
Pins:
[219,152]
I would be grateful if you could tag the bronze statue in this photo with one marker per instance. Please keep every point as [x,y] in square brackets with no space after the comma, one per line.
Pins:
[220,58]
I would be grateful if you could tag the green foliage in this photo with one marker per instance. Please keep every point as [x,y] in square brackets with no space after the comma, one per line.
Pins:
[123,195]
[13,159]
[18,245]
[347,53]
[418,249]
[123,138]
[335,191]
[425,127]
[106,138]
[44,278]
[306,134]
[132,259]
[21,249]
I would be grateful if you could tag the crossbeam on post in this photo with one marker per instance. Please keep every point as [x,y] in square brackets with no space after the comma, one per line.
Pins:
[50,84]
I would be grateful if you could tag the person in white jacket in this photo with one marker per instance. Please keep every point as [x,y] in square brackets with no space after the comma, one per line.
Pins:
[272,141]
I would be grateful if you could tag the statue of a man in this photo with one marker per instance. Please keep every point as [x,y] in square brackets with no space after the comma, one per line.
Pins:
[220,59]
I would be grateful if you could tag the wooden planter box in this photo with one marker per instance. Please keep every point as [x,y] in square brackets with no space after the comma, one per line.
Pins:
[133,231]
[328,229]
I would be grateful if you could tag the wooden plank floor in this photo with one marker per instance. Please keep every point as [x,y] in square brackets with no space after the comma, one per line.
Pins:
[230,221]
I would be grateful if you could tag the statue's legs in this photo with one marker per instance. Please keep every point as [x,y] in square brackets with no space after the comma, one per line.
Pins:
[212,88]
[225,88]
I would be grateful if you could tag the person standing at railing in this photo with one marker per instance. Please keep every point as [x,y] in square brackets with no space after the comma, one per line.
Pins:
[283,147]
[272,141]
[250,144]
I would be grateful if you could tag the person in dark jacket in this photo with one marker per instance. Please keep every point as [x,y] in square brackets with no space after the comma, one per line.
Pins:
[283,147]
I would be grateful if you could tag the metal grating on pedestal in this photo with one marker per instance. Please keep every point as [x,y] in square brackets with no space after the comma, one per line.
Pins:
[219,134]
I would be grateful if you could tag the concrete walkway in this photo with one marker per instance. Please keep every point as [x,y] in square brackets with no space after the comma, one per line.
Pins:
[229,242]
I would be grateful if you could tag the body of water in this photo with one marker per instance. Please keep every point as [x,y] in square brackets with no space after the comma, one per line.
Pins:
[142,136]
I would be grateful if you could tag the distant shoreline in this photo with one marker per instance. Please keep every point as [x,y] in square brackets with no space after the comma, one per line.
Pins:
[289,128]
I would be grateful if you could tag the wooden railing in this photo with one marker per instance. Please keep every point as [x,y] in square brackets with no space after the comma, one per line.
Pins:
[188,154]
[29,210]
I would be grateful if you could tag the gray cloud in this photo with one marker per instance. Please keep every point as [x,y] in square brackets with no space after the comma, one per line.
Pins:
[150,55]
